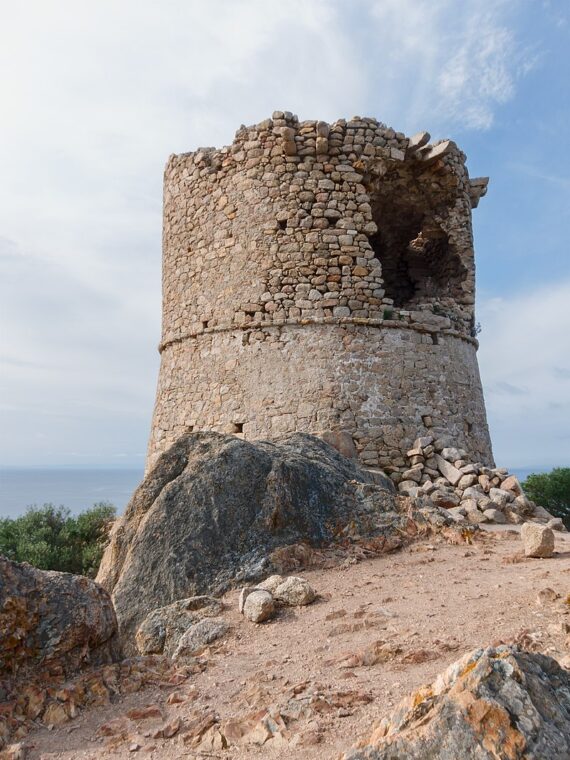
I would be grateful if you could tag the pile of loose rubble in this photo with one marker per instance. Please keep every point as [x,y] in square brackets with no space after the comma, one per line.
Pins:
[470,492]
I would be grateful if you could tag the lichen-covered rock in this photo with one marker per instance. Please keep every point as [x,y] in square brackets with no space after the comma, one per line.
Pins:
[214,507]
[493,704]
[538,540]
[52,621]
[259,606]
[200,635]
[294,592]
[160,632]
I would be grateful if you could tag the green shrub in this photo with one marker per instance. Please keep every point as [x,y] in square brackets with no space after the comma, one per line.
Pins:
[552,491]
[50,538]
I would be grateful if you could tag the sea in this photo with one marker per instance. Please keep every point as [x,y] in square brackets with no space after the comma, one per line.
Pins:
[69,487]
[80,489]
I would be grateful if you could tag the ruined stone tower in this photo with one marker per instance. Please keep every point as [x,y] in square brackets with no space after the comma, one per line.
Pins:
[320,278]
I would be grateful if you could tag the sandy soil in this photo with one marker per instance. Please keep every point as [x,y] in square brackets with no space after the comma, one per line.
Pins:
[430,603]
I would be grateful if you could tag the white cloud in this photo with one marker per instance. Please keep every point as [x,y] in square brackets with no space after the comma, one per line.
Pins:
[525,368]
[97,94]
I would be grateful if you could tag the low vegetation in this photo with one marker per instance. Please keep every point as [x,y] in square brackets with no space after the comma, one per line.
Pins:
[552,491]
[51,538]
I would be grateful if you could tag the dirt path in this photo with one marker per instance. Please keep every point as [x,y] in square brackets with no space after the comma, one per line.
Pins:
[427,604]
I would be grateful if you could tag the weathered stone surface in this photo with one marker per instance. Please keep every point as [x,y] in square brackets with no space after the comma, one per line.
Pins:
[444,499]
[451,454]
[523,505]
[500,497]
[448,470]
[271,583]
[512,484]
[53,621]
[491,704]
[495,515]
[160,632]
[556,524]
[538,540]
[200,635]
[466,481]
[295,592]
[214,508]
[259,606]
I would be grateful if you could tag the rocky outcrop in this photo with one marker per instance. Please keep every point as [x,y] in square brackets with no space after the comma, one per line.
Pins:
[52,623]
[214,507]
[492,703]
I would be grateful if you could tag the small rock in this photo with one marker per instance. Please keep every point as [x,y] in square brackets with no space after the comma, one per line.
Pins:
[495,515]
[512,484]
[474,492]
[271,583]
[466,481]
[499,497]
[546,596]
[259,606]
[451,454]
[444,499]
[538,540]
[408,488]
[475,517]
[556,524]
[457,513]
[295,592]
[414,474]
[523,505]
[513,517]
[541,513]
[243,594]
[448,470]
[469,505]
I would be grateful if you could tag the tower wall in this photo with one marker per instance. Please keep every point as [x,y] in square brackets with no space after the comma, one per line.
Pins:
[320,278]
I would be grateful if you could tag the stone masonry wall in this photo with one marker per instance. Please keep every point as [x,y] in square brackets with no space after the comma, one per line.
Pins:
[321,278]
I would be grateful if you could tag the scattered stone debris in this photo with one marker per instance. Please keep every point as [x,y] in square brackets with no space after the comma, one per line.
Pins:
[471,492]
[54,701]
[492,703]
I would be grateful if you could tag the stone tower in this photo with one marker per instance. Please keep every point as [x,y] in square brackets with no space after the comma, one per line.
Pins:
[320,278]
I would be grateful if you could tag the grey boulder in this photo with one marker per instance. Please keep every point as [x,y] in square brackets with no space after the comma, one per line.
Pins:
[212,510]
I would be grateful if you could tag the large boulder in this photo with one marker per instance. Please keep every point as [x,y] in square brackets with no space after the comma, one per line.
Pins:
[493,703]
[214,507]
[52,623]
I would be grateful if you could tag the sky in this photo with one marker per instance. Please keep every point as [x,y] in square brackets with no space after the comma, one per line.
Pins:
[95,95]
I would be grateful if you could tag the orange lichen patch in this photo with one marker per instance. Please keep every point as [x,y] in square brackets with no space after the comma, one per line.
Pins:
[468,668]
[421,696]
[492,724]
